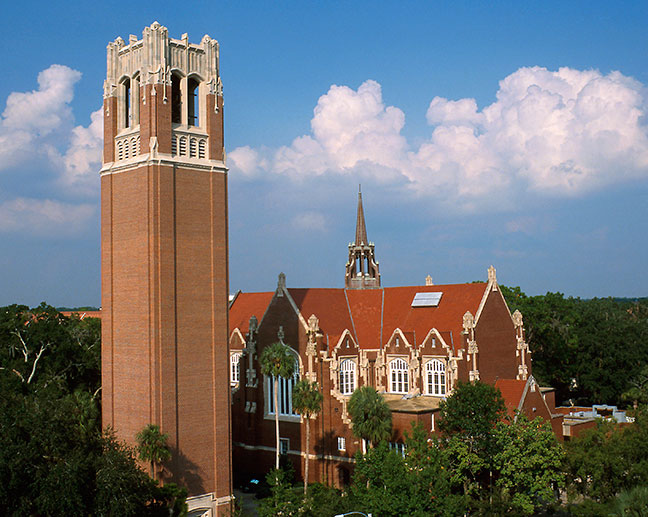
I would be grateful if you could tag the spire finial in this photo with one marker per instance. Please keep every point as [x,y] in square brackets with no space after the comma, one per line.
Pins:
[361,229]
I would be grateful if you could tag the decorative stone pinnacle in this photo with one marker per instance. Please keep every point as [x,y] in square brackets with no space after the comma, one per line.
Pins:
[428,280]
[492,277]
[313,323]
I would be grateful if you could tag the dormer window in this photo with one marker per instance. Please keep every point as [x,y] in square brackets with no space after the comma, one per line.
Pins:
[398,376]
[347,376]
[435,378]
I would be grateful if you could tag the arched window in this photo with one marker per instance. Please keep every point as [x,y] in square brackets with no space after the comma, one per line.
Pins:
[193,89]
[176,99]
[285,393]
[127,102]
[435,377]
[347,376]
[399,376]
[235,359]
[135,101]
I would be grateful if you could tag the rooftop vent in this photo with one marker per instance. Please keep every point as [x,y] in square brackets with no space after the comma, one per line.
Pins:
[426,299]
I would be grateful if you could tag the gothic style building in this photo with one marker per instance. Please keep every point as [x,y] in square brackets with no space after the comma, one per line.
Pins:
[164,257]
[411,343]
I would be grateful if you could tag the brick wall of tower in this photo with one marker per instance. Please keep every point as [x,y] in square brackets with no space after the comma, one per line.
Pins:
[164,254]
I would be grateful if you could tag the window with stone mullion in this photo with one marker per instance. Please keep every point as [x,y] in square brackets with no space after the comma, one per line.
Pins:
[347,377]
[399,376]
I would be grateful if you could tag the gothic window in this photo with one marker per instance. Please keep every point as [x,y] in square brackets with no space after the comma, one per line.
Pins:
[347,376]
[235,359]
[126,89]
[134,101]
[176,99]
[285,393]
[435,378]
[193,90]
[399,376]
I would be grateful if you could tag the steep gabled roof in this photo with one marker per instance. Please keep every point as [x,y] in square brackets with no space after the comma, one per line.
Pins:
[246,305]
[372,315]
[512,392]
[329,305]
[446,317]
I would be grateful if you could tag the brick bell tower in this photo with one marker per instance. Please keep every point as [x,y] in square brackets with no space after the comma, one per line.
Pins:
[164,257]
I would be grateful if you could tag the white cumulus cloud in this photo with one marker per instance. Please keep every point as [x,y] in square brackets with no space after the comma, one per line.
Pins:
[43,217]
[82,160]
[30,117]
[550,133]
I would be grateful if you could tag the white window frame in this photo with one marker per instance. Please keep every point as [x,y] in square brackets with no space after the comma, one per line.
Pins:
[398,376]
[284,445]
[347,376]
[285,393]
[235,372]
[341,443]
[435,378]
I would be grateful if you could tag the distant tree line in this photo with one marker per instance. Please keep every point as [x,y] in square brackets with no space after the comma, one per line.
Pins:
[588,350]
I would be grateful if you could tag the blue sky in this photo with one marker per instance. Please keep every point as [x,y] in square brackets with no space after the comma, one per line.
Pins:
[498,134]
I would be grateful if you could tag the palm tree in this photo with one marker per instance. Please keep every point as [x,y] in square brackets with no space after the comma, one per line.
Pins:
[152,447]
[371,417]
[307,401]
[277,361]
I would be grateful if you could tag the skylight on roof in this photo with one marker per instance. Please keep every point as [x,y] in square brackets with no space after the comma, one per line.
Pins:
[426,299]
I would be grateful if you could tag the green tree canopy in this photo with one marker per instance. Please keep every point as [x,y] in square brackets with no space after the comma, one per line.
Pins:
[54,459]
[529,463]
[152,447]
[370,415]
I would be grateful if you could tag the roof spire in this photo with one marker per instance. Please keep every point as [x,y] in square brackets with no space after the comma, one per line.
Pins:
[362,268]
[361,228]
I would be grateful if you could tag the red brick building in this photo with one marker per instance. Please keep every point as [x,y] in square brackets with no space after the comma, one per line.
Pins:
[164,257]
[411,343]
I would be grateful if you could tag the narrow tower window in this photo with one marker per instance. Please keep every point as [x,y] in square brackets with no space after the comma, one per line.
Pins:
[194,108]
[134,101]
[127,103]
[176,100]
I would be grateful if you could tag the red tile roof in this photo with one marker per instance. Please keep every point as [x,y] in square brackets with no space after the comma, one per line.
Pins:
[372,315]
[82,314]
[245,306]
[512,390]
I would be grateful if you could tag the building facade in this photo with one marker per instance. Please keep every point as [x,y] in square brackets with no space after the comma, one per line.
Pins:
[164,256]
[413,344]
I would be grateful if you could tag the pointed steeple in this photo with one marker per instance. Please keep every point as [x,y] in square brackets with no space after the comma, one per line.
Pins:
[361,228]
[361,269]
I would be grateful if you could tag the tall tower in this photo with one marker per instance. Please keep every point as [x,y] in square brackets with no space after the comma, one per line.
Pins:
[164,257]
[362,270]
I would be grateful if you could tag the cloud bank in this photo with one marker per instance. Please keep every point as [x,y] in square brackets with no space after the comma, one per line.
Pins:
[549,133]
[37,132]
